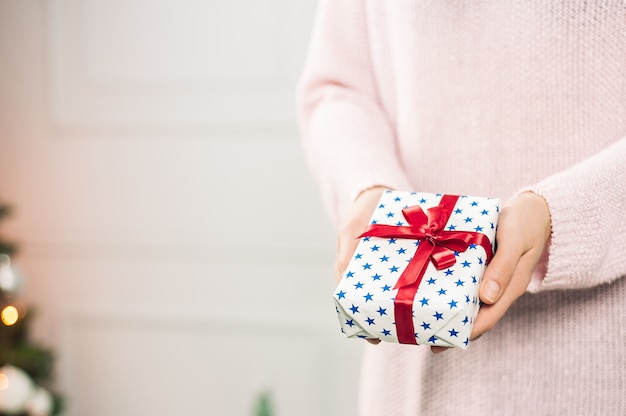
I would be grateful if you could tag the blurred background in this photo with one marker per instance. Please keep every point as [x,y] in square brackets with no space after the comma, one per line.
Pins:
[169,235]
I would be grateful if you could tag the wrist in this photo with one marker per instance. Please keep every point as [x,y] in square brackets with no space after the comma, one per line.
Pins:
[373,192]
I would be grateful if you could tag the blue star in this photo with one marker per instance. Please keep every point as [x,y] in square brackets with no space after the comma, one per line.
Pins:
[381,206]
[474,203]
[480,260]
[457,254]
[401,250]
[425,325]
[394,269]
[484,212]
[474,280]
[467,299]
[491,225]
[374,222]
[451,227]
[391,241]
[354,309]
[466,320]
[478,228]
[376,277]
[424,301]
[449,272]
[358,285]
[390,214]
[384,258]
[398,199]
[399,223]
[468,219]
[374,248]
[368,297]
[350,322]
[458,211]
[382,311]
[370,321]
[472,246]
[438,315]
[466,341]
[453,304]
[422,201]
[358,256]
[453,332]
[367,266]
[386,332]
[442,291]
[431,281]
[432,339]
[341,294]
[386,288]
[460,282]
[366,238]
[349,274]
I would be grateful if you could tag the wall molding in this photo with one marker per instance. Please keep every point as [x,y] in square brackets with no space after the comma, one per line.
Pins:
[178,320]
[82,95]
[288,255]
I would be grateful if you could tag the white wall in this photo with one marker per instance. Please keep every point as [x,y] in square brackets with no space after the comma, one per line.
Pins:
[171,237]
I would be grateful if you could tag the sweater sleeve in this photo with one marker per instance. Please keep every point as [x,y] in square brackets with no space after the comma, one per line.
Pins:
[348,139]
[588,242]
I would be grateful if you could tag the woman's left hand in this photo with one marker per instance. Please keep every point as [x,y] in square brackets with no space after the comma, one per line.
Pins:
[524,229]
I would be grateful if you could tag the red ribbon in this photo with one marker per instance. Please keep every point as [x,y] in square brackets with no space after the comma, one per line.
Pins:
[436,245]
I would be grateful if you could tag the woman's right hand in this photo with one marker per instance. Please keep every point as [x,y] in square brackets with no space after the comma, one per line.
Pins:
[355,222]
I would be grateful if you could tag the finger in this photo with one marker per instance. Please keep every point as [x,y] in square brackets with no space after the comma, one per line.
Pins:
[498,274]
[437,349]
[346,245]
[489,315]
[373,341]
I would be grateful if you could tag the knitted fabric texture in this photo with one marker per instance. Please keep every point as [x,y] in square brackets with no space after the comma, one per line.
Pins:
[488,98]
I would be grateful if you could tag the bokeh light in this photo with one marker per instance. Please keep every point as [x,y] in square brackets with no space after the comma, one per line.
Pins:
[9,315]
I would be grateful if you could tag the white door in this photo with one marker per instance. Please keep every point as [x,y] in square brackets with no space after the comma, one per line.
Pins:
[171,238]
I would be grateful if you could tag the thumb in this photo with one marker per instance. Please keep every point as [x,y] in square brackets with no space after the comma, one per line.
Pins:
[498,274]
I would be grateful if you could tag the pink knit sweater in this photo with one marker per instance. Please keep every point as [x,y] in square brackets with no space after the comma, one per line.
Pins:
[488,98]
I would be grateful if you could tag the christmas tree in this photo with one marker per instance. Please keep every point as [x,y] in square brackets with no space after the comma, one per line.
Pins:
[25,367]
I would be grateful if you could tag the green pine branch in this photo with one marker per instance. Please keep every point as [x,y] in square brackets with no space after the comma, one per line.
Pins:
[6,247]
[5,211]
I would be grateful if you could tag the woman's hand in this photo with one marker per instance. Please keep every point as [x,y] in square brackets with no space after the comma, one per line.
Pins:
[524,229]
[356,221]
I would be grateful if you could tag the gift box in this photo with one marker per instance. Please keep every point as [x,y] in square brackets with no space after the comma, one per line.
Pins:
[414,276]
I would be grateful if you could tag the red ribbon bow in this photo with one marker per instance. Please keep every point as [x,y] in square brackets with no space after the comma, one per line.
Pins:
[436,245]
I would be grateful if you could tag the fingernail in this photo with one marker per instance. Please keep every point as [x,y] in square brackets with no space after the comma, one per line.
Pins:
[491,291]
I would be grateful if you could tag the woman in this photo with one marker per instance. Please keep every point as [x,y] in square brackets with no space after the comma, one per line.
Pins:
[524,101]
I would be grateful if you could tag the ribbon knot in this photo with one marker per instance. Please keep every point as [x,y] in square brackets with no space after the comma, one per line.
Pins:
[425,227]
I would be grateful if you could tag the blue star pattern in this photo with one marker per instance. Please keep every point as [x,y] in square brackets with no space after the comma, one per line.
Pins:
[446,302]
